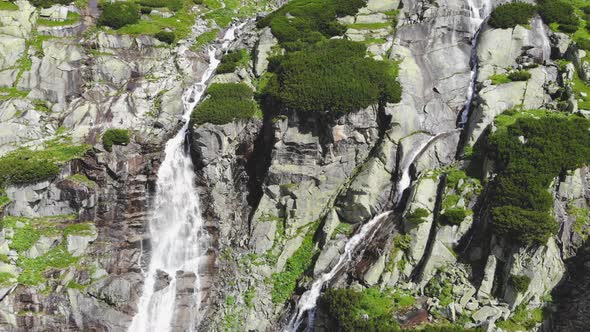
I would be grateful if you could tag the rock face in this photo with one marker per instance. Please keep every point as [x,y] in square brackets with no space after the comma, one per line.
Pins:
[279,189]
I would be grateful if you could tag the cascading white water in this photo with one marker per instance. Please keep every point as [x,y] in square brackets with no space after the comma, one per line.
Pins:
[539,29]
[478,17]
[175,223]
[308,300]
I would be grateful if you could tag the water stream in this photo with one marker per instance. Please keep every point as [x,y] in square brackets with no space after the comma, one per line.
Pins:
[355,246]
[175,225]
[478,17]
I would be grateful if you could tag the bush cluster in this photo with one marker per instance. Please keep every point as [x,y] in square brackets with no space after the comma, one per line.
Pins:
[453,216]
[512,14]
[119,14]
[521,75]
[25,166]
[302,22]
[346,309]
[233,60]
[553,144]
[174,5]
[167,37]
[331,76]
[115,137]
[225,102]
[559,11]
[49,3]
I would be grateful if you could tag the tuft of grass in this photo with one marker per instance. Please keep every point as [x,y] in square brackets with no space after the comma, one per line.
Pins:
[8,5]
[115,137]
[72,18]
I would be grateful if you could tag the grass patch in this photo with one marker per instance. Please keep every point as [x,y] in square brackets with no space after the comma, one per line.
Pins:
[7,5]
[205,38]
[34,268]
[83,180]
[522,320]
[417,216]
[72,18]
[9,93]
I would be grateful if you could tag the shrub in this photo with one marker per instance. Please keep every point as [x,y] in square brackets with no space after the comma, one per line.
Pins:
[225,103]
[521,75]
[558,11]
[232,60]
[568,28]
[583,44]
[453,216]
[167,37]
[25,166]
[519,198]
[519,283]
[145,10]
[511,14]
[347,308]
[331,76]
[174,5]
[302,22]
[49,3]
[417,216]
[115,137]
[119,14]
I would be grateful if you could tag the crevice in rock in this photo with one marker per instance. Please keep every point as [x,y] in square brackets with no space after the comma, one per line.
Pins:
[417,272]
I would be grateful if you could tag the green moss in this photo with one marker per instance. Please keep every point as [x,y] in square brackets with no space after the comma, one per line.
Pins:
[498,79]
[78,229]
[283,283]
[450,201]
[115,137]
[453,216]
[344,229]
[72,18]
[226,103]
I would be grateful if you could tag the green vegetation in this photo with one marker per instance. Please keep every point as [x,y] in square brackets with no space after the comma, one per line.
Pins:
[553,143]
[115,137]
[369,26]
[8,5]
[25,166]
[72,18]
[453,216]
[119,14]
[519,283]
[441,288]
[301,22]
[24,237]
[82,179]
[512,14]
[582,220]
[167,37]
[520,75]
[49,3]
[174,5]
[560,12]
[226,102]
[34,268]
[6,278]
[581,92]
[232,60]
[9,93]
[284,283]
[205,38]
[522,320]
[343,228]
[331,76]
[369,310]
[417,216]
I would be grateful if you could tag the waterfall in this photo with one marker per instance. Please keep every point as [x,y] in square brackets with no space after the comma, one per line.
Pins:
[478,17]
[175,225]
[307,302]
[541,32]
